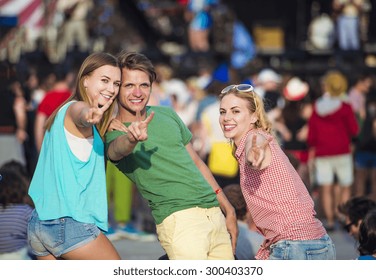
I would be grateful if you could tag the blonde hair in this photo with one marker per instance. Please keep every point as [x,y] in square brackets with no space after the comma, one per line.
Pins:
[255,105]
[335,83]
[90,64]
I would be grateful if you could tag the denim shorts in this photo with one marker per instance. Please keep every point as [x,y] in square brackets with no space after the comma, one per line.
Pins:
[58,236]
[318,249]
[365,160]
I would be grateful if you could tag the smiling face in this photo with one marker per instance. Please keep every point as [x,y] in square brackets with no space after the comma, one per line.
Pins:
[103,83]
[134,94]
[235,118]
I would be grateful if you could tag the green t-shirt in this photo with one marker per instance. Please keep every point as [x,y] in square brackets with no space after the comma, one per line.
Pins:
[162,168]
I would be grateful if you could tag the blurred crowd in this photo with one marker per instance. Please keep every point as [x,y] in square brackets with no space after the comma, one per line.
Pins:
[306,110]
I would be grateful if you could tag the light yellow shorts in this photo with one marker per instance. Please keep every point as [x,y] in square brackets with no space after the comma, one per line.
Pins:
[196,234]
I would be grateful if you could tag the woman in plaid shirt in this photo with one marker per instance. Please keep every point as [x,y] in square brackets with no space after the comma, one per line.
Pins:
[276,197]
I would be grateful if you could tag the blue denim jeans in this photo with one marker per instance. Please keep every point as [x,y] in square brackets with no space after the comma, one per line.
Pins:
[365,160]
[318,249]
[348,33]
[59,236]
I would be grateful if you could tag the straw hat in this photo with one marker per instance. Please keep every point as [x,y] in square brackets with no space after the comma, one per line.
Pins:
[335,83]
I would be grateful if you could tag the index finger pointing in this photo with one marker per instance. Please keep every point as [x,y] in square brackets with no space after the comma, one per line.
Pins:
[106,105]
[149,118]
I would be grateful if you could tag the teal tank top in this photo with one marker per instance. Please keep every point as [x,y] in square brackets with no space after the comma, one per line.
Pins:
[63,185]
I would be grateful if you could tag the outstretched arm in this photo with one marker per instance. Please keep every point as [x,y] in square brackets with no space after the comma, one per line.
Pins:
[39,129]
[19,108]
[226,207]
[124,145]
[85,115]
[258,151]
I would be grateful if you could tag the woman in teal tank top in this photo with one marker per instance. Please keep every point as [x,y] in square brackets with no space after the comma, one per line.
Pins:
[68,187]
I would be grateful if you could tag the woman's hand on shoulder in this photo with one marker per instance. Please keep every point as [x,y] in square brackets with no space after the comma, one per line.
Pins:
[116,124]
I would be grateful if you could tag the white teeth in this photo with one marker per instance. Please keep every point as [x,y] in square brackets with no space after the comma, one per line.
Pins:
[106,96]
[229,126]
[136,101]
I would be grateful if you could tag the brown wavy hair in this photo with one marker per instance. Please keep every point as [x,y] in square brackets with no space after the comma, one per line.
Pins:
[90,64]
[137,61]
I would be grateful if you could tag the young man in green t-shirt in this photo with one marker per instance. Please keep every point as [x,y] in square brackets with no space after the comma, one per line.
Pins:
[152,147]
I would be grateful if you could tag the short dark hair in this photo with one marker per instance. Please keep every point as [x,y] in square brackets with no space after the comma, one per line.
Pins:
[13,188]
[137,61]
[367,234]
[17,166]
[357,207]
[235,196]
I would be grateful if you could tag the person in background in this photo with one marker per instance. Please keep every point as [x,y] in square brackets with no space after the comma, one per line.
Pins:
[30,88]
[331,128]
[354,210]
[249,240]
[53,98]
[69,183]
[21,169]
[13,117]
[268,85]
[14,215]
[119,194]
[153,149]
[200,21]
[74,28]
[292,125]
[279,202]
[124,209]
[367,237]
[347,17]
[365,152]
[358,95]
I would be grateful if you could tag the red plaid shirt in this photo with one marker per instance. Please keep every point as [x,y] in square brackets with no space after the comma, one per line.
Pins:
[277,199]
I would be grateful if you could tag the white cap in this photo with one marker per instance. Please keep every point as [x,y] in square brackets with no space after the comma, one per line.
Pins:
[295,89]
[269,75]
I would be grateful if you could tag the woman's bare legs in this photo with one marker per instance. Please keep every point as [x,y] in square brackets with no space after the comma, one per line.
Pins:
[99,249]
[373,184]
[360,181]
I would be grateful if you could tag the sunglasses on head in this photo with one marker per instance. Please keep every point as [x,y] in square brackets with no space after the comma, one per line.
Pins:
[240,88]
